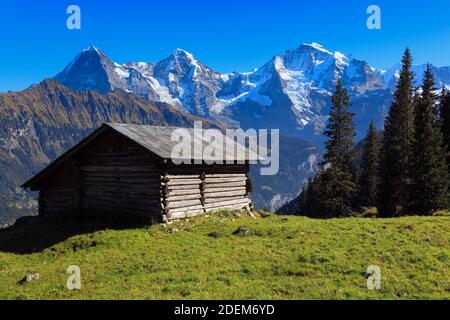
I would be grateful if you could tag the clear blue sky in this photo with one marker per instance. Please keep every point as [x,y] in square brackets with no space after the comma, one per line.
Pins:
[225,35]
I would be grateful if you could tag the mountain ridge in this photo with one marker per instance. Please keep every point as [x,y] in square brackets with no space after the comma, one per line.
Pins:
[296,84]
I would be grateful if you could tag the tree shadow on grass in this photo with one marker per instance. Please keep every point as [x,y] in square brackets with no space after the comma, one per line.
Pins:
[33,234]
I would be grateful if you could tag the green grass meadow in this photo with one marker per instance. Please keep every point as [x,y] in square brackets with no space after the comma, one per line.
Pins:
[281,257]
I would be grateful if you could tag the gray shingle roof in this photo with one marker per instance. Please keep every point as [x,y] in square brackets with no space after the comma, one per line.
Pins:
[159,141]
[162,140]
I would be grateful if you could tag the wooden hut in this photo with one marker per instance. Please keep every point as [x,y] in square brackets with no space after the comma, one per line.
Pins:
[130,169]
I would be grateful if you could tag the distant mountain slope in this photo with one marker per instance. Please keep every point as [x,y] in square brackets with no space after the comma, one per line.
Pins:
[299,160]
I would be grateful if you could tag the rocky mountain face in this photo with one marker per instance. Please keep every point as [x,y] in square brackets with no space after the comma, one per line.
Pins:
[179,80]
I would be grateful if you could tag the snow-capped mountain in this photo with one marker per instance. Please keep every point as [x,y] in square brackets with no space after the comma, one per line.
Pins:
[179,80]
[291,91]
[441,75]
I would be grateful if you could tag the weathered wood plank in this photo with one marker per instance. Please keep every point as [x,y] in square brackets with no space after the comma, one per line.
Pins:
[172,198]
[181,203]
[225,185]
[185,209]
[177,177]
[183,187]
[182,192]
[229,189]
[136,168]
[181,182]
[185,214]
[209,194]
[225,175]
[224,180]
[223,199]
[230,202]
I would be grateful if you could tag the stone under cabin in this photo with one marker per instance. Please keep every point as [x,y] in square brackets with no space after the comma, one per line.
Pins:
[130,169]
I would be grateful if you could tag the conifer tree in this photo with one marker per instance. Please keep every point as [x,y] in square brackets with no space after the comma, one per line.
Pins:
[396,154]
[445,121]
[369,179]
[430,171]
[337,186]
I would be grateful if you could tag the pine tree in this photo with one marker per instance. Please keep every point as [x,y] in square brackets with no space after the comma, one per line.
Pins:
[396,152]
[430,187]
[309,198]
[369,180]
[445,121]
[340,131]
[337,186]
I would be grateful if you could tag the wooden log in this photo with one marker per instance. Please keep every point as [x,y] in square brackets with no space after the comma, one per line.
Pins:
[185,209]
[122,172]
[176,215]
[172,198]
[229,189]
[225,175]
[116,190]
[185,214]
[115,210]
[117,157]
[122,201]
[119,181]
[243,201]
[219,194]
[224,180]
[121,195]
[181,203]
[182,192]
[222,199]
[135,197]
[119,206]
[181,182]
[128,193]
[239,184]
[178,177]
[120,185]
[119,169]
[183,187]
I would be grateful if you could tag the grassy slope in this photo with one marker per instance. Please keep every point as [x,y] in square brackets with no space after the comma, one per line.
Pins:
[284,258]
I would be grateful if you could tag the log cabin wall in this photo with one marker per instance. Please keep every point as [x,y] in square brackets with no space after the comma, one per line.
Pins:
[127,169]
[119,176]
[190,190]
[58,196]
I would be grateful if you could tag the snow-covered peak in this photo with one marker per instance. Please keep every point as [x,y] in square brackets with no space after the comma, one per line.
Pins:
[92,49]
[183,55]
[315,46]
